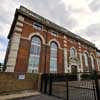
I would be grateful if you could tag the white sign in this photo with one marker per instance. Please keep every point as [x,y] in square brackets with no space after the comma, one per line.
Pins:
[21,77]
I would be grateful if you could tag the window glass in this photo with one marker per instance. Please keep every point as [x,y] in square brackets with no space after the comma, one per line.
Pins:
[92,62]
[34,54]
[86,59]
[53,58]
[37,25]
[72,52]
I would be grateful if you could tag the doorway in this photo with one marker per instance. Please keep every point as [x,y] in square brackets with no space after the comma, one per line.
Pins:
[74,69]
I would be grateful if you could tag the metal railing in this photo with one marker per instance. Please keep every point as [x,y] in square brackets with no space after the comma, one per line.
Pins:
[1,69]
[68,87]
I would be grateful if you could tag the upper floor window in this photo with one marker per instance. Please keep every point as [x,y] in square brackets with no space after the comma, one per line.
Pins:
[72,52]
[37,25]
[53,57]
[92,62]
[34,54]
[86,58]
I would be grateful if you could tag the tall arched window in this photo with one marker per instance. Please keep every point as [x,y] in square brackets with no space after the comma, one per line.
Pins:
[72,52]
[92,62]
[34,54]
[86,58]
[53,57]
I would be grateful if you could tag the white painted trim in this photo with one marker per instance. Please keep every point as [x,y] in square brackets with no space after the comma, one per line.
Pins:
[37,34]
[19,29]
[24,38]
[54,40]
[21,18]
[65,37]
[65,61]
[92,63]
[81,60]
[19,23]
[84,57]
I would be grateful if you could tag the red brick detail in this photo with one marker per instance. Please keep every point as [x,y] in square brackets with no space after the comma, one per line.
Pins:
[23,56]
[60,61]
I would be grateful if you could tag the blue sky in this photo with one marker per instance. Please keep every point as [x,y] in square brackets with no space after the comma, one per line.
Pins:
[79,16]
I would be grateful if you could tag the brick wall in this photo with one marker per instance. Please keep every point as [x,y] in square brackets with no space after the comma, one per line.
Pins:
[68,42]
[10,82]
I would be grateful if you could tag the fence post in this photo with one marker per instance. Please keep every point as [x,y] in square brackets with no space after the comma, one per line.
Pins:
[67,94]
[45,86]
[97,86]
[50,86]
[41,83]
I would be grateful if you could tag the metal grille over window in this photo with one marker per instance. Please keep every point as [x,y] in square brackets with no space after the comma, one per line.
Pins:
[34,54]
[37,25]
[53,58]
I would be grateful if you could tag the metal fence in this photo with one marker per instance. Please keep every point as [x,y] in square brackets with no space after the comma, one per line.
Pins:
[68,87]
[1,69]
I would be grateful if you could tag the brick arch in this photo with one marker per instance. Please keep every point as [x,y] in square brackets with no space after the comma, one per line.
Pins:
[37,34]
[54,40]
[86,52]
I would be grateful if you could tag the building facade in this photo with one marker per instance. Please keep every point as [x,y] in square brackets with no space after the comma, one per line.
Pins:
[39,45]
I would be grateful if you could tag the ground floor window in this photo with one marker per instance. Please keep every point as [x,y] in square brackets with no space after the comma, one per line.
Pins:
[34,57]
[53,57]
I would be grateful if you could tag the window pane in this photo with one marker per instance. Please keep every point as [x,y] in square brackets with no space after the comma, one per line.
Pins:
[37,25]
[53,58]
[34,54]
[92,62]
[86,59]
[72,52]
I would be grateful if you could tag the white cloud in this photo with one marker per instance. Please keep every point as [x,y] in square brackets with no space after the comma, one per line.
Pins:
[79,16]
[1,46]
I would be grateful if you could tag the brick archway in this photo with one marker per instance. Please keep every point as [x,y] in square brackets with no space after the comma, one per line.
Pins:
[54,40]
[37,34]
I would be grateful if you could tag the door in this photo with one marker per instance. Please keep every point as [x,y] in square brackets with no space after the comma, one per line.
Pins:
[74,69]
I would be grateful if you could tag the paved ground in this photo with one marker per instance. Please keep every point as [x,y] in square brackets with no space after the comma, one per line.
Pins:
[19,95]
[39,97]
[28,95]
[76,90]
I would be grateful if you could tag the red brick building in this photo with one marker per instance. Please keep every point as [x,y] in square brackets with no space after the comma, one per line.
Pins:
[39,45]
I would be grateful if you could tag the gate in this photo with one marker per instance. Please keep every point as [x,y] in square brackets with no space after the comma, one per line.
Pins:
[67,87]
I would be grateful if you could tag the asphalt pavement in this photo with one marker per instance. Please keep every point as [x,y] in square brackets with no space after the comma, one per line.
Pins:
[39,97]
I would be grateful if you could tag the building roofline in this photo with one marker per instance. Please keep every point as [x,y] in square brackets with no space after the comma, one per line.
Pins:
[98,50]
[28,13]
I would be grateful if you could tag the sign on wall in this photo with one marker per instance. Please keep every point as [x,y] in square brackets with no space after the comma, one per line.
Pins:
[21,77]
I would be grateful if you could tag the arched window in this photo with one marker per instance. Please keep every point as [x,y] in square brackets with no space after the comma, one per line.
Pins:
[53,57]
[86,58]
[34,54]
[92,62]
[72,52]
